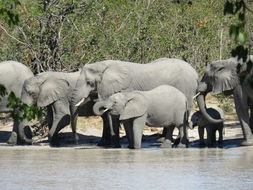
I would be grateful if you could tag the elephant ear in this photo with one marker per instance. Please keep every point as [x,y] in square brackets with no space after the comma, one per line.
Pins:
[52,90]
[115,79]
[136,106]
[222,75]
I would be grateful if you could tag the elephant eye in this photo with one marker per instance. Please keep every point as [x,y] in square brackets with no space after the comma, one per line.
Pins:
[221,68]
[91,83]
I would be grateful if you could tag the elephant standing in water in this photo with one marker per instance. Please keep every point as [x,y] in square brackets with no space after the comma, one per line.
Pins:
[53,90]
[225,76]
[112,76]
[163,106]
[12,76]
[197,119]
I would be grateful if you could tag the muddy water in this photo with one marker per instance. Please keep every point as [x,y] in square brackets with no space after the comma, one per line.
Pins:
[123,169]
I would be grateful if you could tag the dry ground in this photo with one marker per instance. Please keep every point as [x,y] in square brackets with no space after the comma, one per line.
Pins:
[90,130]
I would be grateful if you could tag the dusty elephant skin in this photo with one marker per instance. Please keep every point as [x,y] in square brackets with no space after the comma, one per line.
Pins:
[224,77]
[53,90]
[163,106]
[12,76]
[199,120]
[112,76]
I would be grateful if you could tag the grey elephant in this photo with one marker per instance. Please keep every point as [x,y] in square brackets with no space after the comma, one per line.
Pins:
[111,76]
[53,90]
[225,76]
[197,119]
[163,106]
[12,76]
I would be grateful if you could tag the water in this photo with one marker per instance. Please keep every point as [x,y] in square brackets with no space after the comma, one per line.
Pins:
[23,168]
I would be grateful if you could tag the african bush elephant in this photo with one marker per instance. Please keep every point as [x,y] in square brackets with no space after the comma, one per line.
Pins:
[225,76]
[111,76]
[53,90]
[163,106]
[197,119]
[12,76]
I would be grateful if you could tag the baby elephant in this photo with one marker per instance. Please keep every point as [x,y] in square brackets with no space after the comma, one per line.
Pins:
[199,120]
[164,106]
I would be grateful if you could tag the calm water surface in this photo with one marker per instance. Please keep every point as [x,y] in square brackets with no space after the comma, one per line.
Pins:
[123,169]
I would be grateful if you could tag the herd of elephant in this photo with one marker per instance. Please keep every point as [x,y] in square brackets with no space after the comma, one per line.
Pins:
[157,94]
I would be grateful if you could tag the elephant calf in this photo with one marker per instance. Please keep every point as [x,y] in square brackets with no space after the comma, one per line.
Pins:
[164,106]
[199,120]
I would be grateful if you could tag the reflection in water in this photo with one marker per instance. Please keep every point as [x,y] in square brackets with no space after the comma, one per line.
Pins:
[66,168]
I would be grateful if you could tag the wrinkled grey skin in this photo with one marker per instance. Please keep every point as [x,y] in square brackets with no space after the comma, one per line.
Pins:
[223,77]
[12,76]
[111,76]
[197,119]
[163,106]
[53,90]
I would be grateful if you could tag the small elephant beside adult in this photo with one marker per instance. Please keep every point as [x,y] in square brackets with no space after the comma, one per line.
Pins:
[12,76]
[163,106]
[230,76]
[112,76]
[53,90]
[197,119]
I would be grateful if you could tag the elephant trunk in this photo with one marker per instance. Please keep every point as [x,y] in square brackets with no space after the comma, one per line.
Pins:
[99,108]
[202,107]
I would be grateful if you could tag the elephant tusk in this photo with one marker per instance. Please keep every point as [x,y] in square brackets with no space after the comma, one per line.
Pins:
[106,110]
[80,102]
[196,95]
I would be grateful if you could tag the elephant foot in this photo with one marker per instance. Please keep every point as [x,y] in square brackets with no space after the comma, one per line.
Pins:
[104,142]
[181,145]
[160,140]
[76,139]
[115,142]
[13,140]
[247,142]
[166,144]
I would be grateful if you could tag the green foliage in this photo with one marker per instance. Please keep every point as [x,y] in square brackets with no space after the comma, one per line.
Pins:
[63,35]
[21,110]
[225,102]
[8,11]
[3,91]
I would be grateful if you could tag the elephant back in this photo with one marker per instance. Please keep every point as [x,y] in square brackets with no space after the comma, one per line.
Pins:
[13,74]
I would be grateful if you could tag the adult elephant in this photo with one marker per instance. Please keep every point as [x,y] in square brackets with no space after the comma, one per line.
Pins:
[111,76]
[225,76]
[53,90]
[12,76]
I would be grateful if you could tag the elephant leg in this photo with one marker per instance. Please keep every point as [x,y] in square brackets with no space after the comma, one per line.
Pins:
[167,143]
[21,132]
[106,136]
[73,123]
[163,135]
[221,130]
[183,137]
[115,125]
[241,106]
[61,118]
[138,126]
[251,119]
[213,136]
[201,131]
[49,116]
[209,132]
[128,125]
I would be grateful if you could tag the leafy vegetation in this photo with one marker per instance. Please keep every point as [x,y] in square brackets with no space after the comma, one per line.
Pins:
[66,34]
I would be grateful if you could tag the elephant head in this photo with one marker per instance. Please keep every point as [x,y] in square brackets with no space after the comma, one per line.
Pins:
[220,77]
[127,105]
[105,77]
[42,91]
